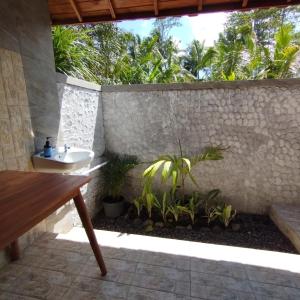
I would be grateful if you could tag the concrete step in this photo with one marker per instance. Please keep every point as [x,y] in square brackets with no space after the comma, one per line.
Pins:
[287,219]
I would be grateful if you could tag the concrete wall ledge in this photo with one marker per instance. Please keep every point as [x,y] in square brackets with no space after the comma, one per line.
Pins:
[203,85]
[62,78]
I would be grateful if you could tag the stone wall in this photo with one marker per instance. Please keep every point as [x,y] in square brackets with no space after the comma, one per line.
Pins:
[258,120]
[81,125]
[29,107]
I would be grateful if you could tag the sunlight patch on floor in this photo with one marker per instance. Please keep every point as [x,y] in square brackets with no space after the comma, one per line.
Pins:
[269,259]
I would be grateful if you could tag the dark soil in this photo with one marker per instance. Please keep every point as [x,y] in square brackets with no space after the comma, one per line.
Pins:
[247,230]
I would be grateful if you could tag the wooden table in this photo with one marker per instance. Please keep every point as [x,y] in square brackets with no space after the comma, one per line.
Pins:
[27,198]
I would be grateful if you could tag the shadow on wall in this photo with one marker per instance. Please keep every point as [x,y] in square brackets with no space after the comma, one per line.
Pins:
[80,125]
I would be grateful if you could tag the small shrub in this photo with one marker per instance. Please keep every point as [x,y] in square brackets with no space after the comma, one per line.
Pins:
[174,170]
[138,203]
[193,206]
[222,212]
[114,172]
[162,204]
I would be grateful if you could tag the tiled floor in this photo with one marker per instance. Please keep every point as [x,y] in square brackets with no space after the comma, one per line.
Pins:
[63,267]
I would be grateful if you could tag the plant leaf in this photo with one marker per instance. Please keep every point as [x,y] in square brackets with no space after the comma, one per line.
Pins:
[166,171]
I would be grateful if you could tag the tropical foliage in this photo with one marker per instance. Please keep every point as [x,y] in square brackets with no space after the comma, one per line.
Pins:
[253,45]
[73,52]
[115,171]
[172,200]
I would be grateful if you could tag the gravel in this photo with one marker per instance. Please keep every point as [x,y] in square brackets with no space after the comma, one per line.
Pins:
[247,230]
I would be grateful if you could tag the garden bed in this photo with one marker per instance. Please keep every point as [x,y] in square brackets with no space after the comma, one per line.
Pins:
[251,231]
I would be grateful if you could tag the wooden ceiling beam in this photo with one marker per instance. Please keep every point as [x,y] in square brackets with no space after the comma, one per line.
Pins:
[245,3]
[190,10]
[74,6]
[156,12]
[111,9]
[200,5]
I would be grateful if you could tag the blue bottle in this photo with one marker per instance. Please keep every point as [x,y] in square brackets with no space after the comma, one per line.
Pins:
[47,148]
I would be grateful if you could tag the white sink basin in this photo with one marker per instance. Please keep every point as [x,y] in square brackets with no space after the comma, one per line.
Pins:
[74,156]
[61,161]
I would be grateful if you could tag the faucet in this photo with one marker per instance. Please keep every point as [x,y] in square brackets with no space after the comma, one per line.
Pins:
[66,147]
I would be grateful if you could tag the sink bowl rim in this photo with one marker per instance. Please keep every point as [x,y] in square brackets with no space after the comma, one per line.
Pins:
[53,158]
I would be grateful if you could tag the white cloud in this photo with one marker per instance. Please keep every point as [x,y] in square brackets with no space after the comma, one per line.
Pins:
[208,26]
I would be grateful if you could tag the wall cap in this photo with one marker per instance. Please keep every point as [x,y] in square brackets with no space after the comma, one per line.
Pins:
[202,85]
[62,78]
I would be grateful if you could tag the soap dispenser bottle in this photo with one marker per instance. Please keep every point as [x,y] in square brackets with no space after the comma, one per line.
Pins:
[47,148]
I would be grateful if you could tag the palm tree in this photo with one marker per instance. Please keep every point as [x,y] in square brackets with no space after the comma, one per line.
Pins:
[231,48]
[279,61]
[170,68]
[73,52]
[198,58]
[150,61]
[276,61]
[109,43]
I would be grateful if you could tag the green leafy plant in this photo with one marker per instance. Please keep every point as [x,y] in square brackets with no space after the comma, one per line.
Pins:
[175,210]
[138,203]
[73,52]
[223,212]
[209,200]
[174,170]
[252,45]
[114,173]
[177,168]
[192,206]
[150,202]
[163,204]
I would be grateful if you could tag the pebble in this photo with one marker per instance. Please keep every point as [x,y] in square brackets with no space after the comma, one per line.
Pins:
[235,226]
[189,227]
[148,228]
[159,224]
[217,229]
[148,222]
[180,227]
[137,221]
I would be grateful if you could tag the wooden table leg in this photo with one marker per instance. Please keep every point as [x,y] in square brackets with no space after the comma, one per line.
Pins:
[14,251]
[86,222]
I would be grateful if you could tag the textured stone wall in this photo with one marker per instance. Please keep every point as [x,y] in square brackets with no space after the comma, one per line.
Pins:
[259,121]
[81,120]
[81,125]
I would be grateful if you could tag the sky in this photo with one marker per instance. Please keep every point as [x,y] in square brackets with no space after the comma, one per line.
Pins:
[202,27]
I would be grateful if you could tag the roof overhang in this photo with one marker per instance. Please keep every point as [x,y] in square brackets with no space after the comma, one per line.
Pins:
[94,11]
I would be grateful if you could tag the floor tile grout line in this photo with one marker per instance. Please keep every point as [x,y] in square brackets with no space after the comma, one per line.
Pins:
[273,284]
[226,288]
[75,274]
[19,294]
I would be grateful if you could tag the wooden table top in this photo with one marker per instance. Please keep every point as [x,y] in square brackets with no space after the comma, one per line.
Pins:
[26,198]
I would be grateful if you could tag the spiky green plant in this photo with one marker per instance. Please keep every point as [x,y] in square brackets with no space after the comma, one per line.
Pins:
[174,170]
[223,212]
[115,171]
[73,52]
